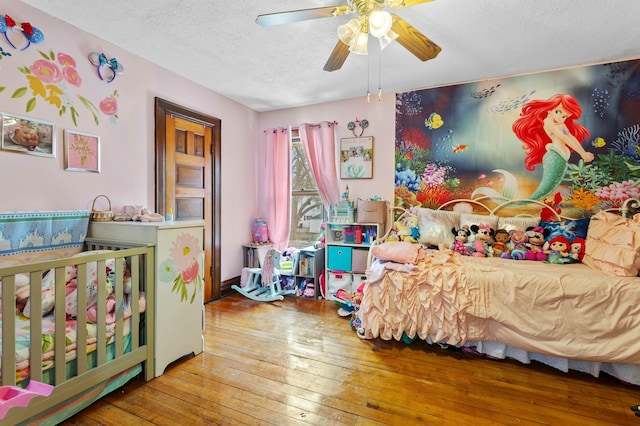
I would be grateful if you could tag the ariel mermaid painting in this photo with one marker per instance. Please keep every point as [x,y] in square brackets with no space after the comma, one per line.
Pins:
[549,132]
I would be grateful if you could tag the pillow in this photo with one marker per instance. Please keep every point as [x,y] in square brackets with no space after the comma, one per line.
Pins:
[468,219]
[569,229]
[398,251]
[435,226]
[517,223]
[613,244]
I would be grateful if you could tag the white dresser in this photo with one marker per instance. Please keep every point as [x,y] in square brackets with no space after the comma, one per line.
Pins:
[179,261]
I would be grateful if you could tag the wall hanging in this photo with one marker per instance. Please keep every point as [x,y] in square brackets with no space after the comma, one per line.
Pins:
[81,152]
[107,68]
[356,158]
[28,135]
[17,34]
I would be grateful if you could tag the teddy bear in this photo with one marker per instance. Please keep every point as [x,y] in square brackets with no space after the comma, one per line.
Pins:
[501,240]
[536,236]
[518,245]
[461,237]
[480,246]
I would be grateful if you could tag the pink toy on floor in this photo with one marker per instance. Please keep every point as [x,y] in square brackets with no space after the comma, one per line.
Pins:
[14,396]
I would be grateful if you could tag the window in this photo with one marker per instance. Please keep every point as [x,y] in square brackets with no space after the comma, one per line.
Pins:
[307,209]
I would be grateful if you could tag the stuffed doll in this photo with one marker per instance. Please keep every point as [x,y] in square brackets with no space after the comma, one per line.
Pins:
[519,241]
[407,229]
[483,237]
[461,237]
[558,251]
[500,242]
[576,249]
[536,236]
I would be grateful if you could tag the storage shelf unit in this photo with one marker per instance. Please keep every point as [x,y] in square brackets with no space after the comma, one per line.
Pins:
[305,274]
[347,249]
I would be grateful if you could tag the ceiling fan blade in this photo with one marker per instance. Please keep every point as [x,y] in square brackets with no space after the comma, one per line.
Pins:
[406,3]
[413,40]
[337,57]
[271,19]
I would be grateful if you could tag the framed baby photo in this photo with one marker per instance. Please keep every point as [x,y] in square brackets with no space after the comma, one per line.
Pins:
[81,152]
[356,158]
[28,135]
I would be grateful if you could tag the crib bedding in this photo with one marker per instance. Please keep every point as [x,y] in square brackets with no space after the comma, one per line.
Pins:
[567,311]
[71,280]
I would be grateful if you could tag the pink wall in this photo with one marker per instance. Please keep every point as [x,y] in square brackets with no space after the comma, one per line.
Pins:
[128,157]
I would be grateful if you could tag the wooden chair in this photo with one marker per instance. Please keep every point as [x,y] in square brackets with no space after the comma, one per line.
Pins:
[263,283]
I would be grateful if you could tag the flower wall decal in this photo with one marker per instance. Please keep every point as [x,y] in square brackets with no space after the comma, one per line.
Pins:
[53,78]
[182,267]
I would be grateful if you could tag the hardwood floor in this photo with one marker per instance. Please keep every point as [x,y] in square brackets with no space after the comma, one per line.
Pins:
[296,362]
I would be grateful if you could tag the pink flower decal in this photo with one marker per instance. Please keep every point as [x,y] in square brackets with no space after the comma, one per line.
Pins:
[109,106]
[72,76]
[191,273]
[46,71]
[66,60]
[184,261]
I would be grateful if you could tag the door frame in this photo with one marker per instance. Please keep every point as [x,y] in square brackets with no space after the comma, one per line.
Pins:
[163,108]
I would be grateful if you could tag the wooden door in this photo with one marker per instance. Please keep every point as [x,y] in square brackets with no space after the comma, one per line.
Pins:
[187,179]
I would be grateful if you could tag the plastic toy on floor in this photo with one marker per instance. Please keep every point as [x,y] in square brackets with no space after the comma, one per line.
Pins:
[263,284]
[14,396]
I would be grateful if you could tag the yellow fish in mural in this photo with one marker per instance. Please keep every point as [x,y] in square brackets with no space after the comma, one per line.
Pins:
[460,148]
[599,143]
[434,121]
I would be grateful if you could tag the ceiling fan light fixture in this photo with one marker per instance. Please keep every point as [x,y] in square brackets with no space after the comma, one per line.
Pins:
[359,46]
[387,39]
[380,22]
[347,32]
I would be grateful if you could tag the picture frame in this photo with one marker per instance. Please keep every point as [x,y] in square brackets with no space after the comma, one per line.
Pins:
[356,158]
[28,135]
[81,151]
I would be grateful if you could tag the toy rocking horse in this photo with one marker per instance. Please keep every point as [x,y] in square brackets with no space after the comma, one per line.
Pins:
[263,284]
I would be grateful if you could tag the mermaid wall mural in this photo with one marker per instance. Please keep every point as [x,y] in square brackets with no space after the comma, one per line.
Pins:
[568,137]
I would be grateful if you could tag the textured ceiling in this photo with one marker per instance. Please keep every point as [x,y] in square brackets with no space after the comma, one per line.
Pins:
[217,43]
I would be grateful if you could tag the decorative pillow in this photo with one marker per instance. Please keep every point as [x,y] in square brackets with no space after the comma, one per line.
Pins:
[569,229]
[399,252]
[519,223]
[435,226]
[613,244]
[468,219]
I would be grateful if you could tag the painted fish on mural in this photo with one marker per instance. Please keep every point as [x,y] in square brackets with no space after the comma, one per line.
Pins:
[460,148]
[598,143]
[434,121]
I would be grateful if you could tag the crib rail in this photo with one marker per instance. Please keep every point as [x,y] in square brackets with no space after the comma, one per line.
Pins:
[139,258]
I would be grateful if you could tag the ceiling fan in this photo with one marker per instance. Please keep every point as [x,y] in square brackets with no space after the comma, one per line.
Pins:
[371,19]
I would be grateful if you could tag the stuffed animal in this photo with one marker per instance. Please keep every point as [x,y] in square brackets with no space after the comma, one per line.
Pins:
[558,251]
[536,236]
[407,229]
[482,239]
[461,237]
[501,240]
[142,214]
[519,245]
[576,249]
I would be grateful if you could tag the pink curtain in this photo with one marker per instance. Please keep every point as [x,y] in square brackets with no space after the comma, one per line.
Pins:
[277,186]
[318,141]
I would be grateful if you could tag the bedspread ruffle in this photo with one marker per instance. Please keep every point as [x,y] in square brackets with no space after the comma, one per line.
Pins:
[430,301]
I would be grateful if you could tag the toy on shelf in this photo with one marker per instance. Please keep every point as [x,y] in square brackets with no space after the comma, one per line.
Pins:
[343,211]
[14,396]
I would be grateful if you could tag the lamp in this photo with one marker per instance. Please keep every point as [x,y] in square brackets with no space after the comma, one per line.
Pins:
[380,22]
[359,45]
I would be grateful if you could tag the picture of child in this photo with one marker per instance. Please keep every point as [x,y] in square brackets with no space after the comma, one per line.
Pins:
[23,134]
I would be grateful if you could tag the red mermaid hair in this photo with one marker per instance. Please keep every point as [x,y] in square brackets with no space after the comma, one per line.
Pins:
[529,127]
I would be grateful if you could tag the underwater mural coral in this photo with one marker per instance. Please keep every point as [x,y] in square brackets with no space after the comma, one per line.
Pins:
[572,134]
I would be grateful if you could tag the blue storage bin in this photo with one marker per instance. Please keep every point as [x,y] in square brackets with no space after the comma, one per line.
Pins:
[339,258]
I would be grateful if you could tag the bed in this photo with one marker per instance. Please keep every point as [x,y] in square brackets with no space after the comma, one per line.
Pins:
[59,286]
[581,315]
